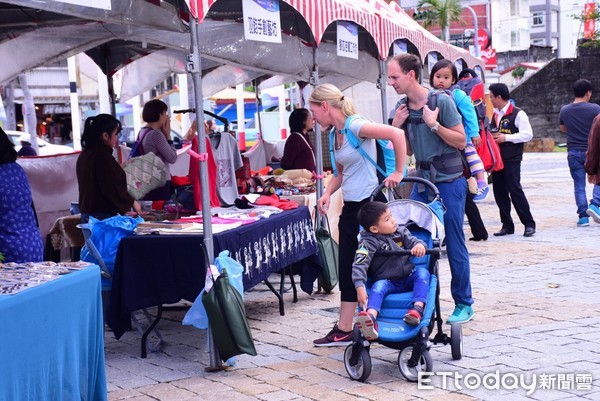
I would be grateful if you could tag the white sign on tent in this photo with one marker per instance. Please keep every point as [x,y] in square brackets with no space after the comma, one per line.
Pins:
[102,4]
[262,21]
[347,39]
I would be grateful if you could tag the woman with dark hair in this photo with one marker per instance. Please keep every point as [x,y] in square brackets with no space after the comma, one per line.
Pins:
[298,152]
[20,239]
[155,137]
[102,181]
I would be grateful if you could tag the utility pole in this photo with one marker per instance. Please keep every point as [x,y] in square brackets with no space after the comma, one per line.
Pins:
[476,28]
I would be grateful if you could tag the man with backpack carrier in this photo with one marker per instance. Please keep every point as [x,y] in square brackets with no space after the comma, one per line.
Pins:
[436,138]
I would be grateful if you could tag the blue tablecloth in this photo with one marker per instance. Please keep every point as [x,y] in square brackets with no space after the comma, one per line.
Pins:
[52,340]
[152,270]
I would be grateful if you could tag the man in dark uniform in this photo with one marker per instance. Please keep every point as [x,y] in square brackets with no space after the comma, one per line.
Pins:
[511,129]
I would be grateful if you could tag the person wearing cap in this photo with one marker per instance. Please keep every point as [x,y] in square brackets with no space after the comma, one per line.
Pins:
[26,148]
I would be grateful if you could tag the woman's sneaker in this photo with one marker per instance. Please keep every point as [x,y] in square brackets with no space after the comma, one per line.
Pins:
[367,326]
[412,317]
[335,338]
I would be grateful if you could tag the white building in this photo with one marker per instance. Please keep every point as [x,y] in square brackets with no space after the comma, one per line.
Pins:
[510,25]
[544,22]
[570,29]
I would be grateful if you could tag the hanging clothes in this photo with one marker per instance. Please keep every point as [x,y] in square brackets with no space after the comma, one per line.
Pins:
[228,160]
[194,175]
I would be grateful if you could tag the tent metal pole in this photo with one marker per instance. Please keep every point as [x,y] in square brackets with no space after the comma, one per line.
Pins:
[381,85]
[314,81]
[193,66]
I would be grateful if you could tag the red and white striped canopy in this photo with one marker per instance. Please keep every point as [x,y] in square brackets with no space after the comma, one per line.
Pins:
[385,22]
[396,24]
[319,14]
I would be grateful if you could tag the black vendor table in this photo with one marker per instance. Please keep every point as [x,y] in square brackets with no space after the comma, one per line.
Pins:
[151,270]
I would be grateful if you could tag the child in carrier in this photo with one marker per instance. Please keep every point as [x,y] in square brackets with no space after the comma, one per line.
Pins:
[445,76]
[390,273]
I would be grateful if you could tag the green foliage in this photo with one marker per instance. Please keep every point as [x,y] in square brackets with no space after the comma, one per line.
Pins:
[439,12]
[2,257]
[519,72]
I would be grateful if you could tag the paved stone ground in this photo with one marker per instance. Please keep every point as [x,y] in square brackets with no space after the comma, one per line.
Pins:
[537,315]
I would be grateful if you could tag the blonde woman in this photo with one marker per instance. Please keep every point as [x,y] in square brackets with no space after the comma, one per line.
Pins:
[357,178]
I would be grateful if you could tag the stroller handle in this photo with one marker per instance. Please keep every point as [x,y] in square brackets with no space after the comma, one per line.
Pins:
[433,251]
[416,180]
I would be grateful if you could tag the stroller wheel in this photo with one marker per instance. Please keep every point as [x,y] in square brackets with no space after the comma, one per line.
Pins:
[456,341]
[362,369]
[425,364]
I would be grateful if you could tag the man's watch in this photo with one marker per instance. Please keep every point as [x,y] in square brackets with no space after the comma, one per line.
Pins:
[436,127]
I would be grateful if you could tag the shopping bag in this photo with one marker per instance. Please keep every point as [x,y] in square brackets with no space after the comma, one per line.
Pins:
[227,318]
[144,173]
[489,152]
[329,255]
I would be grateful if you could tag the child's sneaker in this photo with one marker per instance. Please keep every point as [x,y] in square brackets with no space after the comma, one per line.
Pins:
[412,317]
[583,222]
[482,191]
[367,326]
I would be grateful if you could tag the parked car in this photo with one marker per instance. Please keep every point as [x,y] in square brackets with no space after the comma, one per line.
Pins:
[45,148]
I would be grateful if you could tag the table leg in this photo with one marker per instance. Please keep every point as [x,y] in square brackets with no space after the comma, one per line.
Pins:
[149,330]
[278,295]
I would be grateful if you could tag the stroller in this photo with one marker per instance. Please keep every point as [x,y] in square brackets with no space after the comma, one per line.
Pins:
[425,222]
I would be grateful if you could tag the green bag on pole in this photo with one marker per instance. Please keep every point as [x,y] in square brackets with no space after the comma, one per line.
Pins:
[328,253]
[227,319]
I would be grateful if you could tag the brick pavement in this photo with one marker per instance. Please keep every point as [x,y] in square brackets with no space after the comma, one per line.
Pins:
[537,314]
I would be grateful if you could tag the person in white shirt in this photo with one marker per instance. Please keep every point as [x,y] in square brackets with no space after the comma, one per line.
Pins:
[511,129]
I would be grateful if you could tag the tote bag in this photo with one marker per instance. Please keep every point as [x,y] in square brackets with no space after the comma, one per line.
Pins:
[227,318]
[329,255]
[144,173]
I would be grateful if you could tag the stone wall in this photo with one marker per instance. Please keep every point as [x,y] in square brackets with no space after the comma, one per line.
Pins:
[542,95]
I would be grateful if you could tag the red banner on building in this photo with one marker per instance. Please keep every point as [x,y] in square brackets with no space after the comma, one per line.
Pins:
[589,23]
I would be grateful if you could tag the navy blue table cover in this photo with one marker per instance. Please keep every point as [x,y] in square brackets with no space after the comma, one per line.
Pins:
[52,340]
[151,270]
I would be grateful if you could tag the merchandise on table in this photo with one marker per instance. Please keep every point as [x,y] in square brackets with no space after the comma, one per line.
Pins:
[16,277]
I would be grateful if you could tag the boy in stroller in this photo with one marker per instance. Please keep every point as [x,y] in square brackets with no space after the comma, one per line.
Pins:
[391,273]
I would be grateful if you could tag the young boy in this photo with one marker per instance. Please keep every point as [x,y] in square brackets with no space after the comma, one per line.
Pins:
[390,273]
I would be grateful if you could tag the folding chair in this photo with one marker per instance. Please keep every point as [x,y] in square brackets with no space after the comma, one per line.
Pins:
[105,273]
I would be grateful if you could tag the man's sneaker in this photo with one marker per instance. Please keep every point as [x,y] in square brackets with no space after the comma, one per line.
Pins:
[583,222]
[594,212]
[462,314]
[367,326]
[482,190]
[335,338]
[412,317]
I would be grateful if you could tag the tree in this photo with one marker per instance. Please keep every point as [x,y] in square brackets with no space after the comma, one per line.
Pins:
[440,12]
